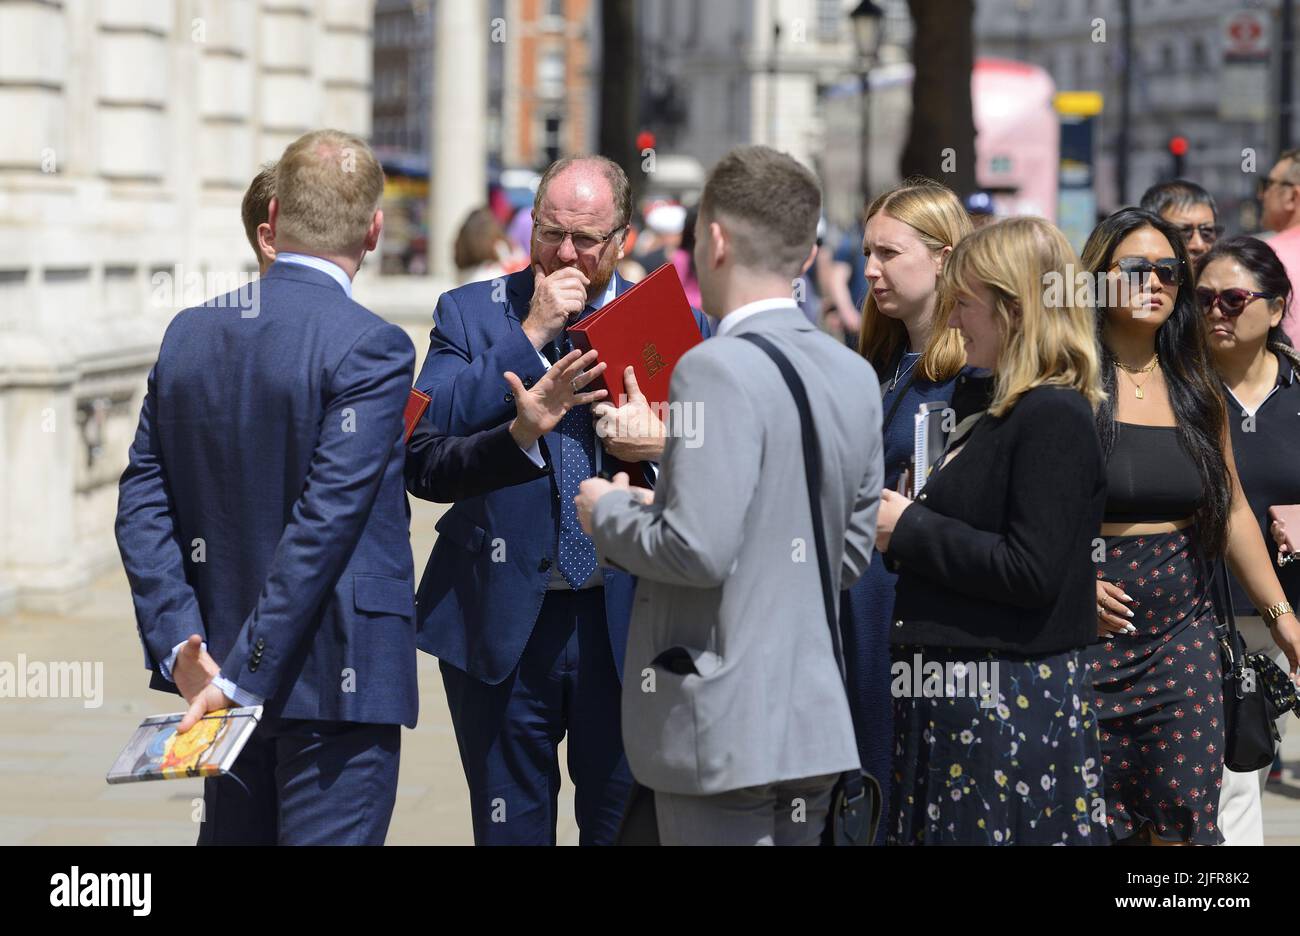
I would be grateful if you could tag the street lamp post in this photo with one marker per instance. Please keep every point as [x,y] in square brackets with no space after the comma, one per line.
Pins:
[866,17]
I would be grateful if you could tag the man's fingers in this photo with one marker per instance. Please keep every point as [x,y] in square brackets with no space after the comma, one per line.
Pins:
[630,385]
[196,711]
[621,480]
[600,412]
[591,396]
[514,383]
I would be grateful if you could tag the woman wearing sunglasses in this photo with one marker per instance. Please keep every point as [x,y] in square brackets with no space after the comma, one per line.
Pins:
[1173,506]
[1244,292]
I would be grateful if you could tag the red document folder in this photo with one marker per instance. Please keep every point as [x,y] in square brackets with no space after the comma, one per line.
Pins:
[416,404]
[649,327]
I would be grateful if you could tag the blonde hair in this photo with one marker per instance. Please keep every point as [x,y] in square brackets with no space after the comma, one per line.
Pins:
[328,185]
[1043,344]
[936,214]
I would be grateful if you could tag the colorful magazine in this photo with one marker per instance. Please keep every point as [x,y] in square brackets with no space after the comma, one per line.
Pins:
[209,749]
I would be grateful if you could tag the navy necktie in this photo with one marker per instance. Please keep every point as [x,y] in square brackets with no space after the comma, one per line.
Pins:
[577,553]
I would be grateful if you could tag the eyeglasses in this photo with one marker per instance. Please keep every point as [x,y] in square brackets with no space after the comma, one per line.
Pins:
[1232,301]
[554,237]
[1267,183]
[1209,232]
[1169,271]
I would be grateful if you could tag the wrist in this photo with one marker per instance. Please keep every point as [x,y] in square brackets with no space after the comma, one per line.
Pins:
[523,436]
[1274,614]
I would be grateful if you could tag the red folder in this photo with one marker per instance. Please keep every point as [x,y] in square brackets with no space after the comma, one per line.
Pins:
[416,403]
[649,327]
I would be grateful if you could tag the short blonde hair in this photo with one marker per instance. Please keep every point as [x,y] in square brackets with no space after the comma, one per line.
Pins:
[936,214]
[1020,261]
[328,185]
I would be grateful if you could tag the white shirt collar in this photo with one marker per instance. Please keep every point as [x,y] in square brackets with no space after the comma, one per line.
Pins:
[608,295]
[333,270]
[736,316]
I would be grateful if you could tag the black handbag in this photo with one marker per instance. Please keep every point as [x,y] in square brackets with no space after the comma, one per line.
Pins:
[855,801]
[1249,711]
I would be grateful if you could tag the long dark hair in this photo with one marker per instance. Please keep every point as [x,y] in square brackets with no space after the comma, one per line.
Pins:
[1182,345]
[1263,264]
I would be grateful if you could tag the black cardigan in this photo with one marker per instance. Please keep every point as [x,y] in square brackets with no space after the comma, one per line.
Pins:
[996,553]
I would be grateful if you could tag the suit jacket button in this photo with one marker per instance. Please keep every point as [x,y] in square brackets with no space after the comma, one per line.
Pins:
[510,398]
[922,496]
[252,667]
[528,382]
[898,623]
[544,565]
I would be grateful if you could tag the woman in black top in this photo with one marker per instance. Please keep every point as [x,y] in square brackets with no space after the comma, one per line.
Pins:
[1244,292]
[1173,506]
[995,742]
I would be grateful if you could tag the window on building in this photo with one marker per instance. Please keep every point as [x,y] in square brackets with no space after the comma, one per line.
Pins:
[550,73]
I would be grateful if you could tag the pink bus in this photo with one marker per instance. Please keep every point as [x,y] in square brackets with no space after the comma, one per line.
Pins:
[1017,137]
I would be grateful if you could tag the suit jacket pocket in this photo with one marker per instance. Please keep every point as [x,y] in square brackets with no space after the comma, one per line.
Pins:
[458,528]
[686,661]
[380,594]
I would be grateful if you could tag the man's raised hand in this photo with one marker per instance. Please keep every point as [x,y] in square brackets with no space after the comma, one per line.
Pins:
[539,410]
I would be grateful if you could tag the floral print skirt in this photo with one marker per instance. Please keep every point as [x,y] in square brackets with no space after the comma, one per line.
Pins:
[1157,694]
[1018,766]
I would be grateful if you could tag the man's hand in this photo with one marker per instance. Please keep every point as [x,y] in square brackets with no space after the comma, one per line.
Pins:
[210,699]
[592,490]
[539,410]
[631,432]
[556,299]
[194,668]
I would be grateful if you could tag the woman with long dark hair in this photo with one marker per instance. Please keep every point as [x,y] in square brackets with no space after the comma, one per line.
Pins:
[1174,506]
[1244,293]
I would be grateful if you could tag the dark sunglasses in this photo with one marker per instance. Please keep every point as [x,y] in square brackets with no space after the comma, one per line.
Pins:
[1209,232]
[1232,301]
[1169,272]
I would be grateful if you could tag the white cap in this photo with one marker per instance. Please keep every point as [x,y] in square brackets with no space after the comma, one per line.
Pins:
[666,219]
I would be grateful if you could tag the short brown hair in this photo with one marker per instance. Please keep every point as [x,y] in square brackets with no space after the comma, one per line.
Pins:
[328,185]
[256,207]
[772,203]
[614,175]
[477,239]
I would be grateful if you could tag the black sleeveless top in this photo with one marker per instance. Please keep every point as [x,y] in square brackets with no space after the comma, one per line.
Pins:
[1150,477]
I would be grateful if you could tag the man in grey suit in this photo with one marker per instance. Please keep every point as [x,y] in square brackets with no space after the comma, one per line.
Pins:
[734,711]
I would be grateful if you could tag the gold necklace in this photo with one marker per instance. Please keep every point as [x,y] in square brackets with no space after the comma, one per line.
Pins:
[1137,387]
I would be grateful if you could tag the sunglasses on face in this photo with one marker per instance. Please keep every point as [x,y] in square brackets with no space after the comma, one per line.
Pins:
[1209,232]
[1169,272]
[1231,301]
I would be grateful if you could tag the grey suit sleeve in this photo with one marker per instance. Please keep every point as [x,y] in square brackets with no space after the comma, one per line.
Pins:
[691,536]
[860,534]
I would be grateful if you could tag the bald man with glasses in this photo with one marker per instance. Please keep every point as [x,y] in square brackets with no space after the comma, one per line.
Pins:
[529,631]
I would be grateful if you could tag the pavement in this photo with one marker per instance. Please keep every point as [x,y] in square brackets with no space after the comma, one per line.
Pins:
[54,753]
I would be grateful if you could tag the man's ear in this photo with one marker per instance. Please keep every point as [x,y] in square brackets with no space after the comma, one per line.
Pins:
[812,256]
[376,228]
[273,215]
[718,246]
[266,241]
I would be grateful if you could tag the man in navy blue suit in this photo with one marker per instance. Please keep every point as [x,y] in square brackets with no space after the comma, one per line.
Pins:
[263,521]
[529,632]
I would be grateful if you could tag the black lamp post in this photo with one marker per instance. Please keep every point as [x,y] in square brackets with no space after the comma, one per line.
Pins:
[866,18]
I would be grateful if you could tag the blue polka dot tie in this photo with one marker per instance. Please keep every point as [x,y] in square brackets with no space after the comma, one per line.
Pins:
[577,553]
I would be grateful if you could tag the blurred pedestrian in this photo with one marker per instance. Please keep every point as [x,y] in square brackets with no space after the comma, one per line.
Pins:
[482,251]
[1190,209]
[1279,199]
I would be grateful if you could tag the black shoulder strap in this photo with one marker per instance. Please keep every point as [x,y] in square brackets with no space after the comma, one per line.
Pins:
[813,473]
